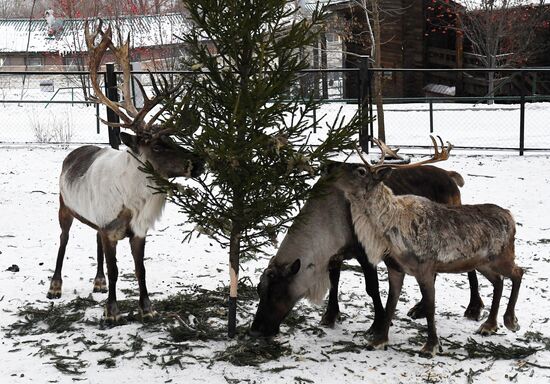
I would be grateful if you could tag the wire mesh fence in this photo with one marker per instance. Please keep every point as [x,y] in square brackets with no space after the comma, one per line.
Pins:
[457,104]
[54,107]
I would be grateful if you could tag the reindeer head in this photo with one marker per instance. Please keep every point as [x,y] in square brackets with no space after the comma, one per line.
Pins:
[168,158]
[152,142]
[353,178]
[276,298]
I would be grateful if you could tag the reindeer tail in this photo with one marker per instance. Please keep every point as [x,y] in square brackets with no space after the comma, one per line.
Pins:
[457,178]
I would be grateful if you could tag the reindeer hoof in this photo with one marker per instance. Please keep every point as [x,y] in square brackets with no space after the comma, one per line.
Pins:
[487,329]
[329,319]
[149,316]
[378,343]
[117,319]
[430,350]
[418,311]
[55,289]
[473,312]
[100,285]
[511,322]
[112,314]
[53,294]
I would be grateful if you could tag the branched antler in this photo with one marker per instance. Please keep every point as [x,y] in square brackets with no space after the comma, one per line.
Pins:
[165,92]
[439,155]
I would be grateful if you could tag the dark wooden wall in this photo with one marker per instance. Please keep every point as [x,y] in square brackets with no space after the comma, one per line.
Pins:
[403,46]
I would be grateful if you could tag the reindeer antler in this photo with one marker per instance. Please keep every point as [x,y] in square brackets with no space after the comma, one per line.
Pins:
[437,157]
[95,55]
[132,118]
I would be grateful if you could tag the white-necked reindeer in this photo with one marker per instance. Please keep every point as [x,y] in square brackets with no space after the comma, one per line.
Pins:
[105,189]
[416,236]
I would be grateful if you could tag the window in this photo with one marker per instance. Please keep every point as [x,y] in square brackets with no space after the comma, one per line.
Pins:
[73,63]
[333,37]
[35,62]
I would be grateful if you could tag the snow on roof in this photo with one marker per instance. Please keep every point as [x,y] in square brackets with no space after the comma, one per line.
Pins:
[145,31]
[308,6]
[440,89]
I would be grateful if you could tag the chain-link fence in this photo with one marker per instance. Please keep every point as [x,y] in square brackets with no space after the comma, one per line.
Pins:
[48,107]
[53,107]
[457,105]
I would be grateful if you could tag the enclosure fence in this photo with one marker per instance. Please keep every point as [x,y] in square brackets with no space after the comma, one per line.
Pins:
[512,113]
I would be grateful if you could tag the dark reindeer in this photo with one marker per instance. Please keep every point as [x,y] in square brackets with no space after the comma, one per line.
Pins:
[311,255]
[105,189]
[416,236]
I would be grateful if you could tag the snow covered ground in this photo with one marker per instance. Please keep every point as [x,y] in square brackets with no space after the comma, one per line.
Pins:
[29,238]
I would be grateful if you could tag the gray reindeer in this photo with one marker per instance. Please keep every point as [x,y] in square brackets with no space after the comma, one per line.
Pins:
[105,189]
[415,236]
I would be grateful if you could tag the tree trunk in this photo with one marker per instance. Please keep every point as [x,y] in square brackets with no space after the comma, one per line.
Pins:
[234,253]
[378,75]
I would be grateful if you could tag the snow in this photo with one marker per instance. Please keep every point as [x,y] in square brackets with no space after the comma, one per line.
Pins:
[146,31]
[29,238]
[464,125]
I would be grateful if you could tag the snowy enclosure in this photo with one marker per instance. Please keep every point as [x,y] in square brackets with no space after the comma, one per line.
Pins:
[92,353]
[66,340]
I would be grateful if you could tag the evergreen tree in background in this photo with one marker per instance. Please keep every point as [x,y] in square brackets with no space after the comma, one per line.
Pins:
[253,130]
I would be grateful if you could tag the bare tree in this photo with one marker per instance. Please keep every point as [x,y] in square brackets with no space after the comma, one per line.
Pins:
[365,30]
[502,33]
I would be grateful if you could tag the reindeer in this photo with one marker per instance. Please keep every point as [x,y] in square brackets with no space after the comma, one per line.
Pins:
[311,255]
[414,235]
[106,189]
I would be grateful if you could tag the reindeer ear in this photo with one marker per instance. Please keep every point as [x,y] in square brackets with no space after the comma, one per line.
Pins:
[294,268]
[329,167]
[131,141]
[381,174]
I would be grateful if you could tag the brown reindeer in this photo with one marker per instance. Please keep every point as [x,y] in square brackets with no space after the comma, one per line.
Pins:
[106,189]
[414,235]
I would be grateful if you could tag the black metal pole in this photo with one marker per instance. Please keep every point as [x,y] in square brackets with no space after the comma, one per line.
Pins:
[431,116]
[522,117]
[112,94]
[324,65]
[97,117]
[371,111]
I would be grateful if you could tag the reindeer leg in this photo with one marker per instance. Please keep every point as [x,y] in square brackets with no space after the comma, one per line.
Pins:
[112,313]
[426,282]
[490,325]
[379,340]
[333,309]
[418,311]
[509,269]
[510,319]
[100,283]
[137,244]
[473,311]
[373,290]
[65,222]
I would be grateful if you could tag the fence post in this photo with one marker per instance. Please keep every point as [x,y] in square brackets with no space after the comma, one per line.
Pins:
[522,116]
[431,116]
[112,94]
[364,87]
[97,117]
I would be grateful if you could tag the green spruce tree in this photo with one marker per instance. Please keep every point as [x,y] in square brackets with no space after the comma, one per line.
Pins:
[253,130]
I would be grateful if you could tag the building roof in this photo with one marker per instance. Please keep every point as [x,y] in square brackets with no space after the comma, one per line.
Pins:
[146,31]
[308,6]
